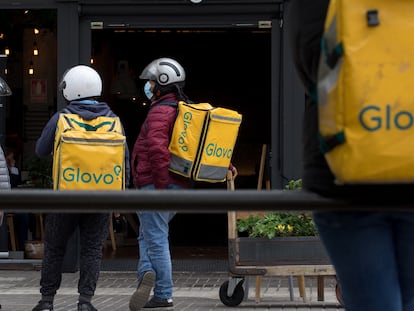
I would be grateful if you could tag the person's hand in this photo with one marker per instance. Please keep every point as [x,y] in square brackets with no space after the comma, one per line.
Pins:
[234,171]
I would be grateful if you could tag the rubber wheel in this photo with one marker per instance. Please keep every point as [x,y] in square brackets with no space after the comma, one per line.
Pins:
[235,299]
[339,294]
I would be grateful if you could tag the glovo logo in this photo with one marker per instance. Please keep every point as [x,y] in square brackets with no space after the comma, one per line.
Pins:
[374,118]
[182,142]
[214,150]
[76,175]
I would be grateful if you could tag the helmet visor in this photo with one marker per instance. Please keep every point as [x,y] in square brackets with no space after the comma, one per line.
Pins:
[62,83]
[149,72]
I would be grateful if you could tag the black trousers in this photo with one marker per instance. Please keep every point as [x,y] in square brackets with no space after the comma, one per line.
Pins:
[93,230]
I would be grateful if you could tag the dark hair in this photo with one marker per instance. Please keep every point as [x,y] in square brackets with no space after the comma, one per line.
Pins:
[176,88]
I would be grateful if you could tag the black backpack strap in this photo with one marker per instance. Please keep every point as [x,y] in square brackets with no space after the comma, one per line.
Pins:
[166,103]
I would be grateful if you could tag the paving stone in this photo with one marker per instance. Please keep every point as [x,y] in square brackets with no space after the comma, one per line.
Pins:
[193,291]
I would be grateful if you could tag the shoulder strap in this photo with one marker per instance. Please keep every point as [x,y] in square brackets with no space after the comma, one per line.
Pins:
[166,103]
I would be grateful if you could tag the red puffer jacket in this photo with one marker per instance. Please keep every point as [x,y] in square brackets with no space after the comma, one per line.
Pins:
[150,156]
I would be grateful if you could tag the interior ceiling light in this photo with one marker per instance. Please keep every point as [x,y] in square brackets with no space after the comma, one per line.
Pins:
[31,70]
[196,1]
[35,49]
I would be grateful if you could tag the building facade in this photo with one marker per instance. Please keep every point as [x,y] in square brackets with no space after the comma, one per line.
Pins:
[234,51]
[235,54]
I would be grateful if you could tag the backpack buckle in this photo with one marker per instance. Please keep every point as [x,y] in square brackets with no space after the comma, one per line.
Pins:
[372,18]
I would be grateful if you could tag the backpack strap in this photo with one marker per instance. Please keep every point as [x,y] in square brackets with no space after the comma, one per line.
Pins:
[166,103]
[333,56]
[327,145]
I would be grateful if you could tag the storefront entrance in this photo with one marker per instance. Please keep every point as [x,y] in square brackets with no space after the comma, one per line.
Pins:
[226,67]
[234,55]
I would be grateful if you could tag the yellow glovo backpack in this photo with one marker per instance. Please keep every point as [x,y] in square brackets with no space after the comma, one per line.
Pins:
[365,91]
[203,141]
[88,154]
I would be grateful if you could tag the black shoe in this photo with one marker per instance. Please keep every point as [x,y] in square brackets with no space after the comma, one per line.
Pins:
[86,306]
[141,295]
[43,306]
[159,304]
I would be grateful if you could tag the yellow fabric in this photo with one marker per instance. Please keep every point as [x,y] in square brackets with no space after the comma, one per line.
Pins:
[370,99]
[187,133]
[203,140]
[89,160]
[219,141]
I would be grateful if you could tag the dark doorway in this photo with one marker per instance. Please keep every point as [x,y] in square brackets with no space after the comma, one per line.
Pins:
[226,67]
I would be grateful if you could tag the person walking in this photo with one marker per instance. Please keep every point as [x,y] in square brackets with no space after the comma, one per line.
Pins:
[81,86]
[165,79]
[372,252]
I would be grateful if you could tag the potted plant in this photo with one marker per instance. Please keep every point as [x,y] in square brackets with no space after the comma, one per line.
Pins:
[277,224]
[279,238]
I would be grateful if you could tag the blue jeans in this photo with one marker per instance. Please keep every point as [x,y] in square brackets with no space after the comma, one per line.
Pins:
[373,254]
[154,248]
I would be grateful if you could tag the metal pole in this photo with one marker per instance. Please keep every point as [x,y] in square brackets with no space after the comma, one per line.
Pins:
[195,201]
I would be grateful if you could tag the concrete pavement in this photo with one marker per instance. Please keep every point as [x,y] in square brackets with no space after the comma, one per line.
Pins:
[193,291]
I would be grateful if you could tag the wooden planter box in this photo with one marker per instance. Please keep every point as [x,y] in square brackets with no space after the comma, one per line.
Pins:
[307,250]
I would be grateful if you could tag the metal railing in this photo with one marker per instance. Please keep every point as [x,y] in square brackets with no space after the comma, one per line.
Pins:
[42,200]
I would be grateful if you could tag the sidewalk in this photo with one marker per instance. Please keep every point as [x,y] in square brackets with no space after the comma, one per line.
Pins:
[193,291]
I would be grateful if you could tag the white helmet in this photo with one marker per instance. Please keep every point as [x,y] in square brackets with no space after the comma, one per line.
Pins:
[81,82]
[164,71]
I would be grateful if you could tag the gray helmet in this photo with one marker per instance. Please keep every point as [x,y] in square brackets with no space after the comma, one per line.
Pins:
[164,71]
[4,88]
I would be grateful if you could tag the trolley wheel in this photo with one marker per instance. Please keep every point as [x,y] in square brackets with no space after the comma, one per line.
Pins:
[339,294]
[233,300]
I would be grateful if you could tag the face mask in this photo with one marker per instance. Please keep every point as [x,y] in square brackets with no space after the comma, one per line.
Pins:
[147,90]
